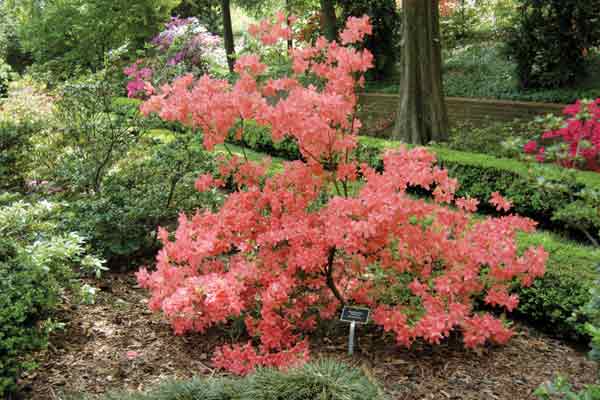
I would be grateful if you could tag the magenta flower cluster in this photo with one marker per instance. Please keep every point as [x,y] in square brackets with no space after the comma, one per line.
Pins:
[138,78]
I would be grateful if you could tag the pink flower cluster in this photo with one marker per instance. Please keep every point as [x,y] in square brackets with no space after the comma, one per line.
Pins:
[280,260]
[577,143]
[269,32]
[138,78]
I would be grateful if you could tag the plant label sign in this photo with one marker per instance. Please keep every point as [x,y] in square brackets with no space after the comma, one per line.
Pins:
[354,315]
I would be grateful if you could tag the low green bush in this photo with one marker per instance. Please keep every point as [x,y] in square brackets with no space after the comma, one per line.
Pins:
[493,138]
[147,190]
[38,261]
[15,147]
[560,388]
[120,178]
[556,302]
[592,312]
[319,380]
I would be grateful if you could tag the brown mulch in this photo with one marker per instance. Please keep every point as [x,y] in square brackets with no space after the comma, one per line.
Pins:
[90,356]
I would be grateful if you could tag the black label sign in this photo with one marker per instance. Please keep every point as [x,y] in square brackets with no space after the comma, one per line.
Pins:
[355,314]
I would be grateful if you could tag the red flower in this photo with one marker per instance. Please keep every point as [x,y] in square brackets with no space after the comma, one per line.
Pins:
[530,147]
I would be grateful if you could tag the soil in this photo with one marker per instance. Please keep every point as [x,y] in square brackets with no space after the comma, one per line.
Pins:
[117,344]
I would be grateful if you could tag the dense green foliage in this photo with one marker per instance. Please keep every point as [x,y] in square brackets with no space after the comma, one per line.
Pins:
[492,138]
[208,12]
[96,131]
[37,263]
[549,40]
[15,145]
[322,380]
[63,35]
[561,388]
[555,302]
[146,191]
[481,69]
[120,179]
[592,312]
[6,76]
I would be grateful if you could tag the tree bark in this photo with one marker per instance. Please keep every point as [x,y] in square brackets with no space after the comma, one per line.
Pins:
[288,10]
[422,115]
[228,34]
[328,19]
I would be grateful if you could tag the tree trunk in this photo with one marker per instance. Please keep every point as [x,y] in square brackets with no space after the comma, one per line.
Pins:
[288,10]
[422,114]
[328,19]
[228,34]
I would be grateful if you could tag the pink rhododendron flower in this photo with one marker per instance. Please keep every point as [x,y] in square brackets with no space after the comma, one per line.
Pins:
[500,202]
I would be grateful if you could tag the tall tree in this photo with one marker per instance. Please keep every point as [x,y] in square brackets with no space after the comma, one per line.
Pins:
[422,115]
[328,19]
[228,33]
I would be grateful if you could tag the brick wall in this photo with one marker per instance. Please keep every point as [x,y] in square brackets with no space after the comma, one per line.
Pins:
[378,111]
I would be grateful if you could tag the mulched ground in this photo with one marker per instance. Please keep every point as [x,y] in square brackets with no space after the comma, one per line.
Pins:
[90,355]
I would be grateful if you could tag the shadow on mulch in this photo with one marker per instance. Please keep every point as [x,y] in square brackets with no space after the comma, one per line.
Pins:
[91,356]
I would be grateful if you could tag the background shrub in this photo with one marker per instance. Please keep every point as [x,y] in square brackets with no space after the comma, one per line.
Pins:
[15,145]
[148,189]
[92,134]
[6,76]
[556,302]
[550,39]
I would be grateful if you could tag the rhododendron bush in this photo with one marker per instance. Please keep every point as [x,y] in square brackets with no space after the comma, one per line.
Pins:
[286,252]
[575,142]
[184,46]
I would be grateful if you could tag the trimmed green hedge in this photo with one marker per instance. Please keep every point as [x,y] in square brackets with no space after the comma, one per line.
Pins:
[479,175]
[322,380]
[555,302]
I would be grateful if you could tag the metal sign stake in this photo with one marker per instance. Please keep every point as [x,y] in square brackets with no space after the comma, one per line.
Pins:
[351,338]
[354,315]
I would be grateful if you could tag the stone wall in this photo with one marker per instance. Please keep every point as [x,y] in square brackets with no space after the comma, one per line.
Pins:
[378,111]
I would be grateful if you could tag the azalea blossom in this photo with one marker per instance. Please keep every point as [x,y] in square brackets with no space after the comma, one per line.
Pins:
[287,251]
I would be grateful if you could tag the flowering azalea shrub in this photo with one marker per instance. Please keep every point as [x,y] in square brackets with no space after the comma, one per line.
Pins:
[184,46]
[574,142]
[287,251]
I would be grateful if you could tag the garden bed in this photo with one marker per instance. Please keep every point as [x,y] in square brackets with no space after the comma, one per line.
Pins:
[91,356]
